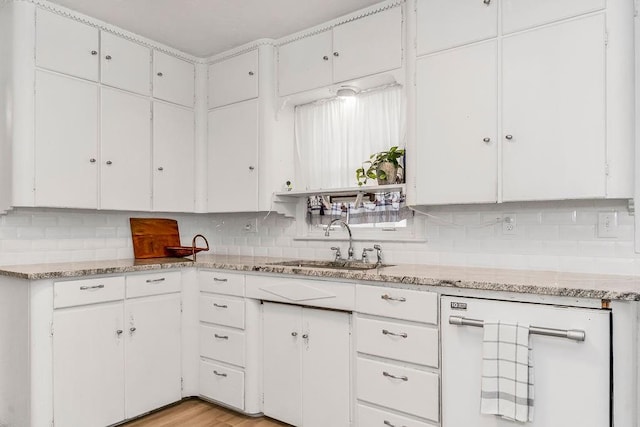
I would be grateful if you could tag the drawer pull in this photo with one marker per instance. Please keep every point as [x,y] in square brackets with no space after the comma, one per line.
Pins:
[220,305]
[390,298]
[388,423]
[395,334]
[88,288]
[215,279]
[222,337]
[387,374]
[220,374]
[162,279]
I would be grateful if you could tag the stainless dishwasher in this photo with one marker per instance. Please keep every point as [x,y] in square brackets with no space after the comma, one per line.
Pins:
[571,357]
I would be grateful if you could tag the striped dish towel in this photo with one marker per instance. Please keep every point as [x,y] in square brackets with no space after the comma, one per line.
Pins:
[507,371]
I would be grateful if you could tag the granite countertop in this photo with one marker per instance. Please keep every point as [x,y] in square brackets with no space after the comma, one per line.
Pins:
[611,287]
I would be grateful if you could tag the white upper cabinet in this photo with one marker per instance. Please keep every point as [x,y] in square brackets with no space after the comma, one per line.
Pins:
[305,64]
[234,79]
[66,142]
[125,153]
[67,46]
[457,108]
[233,157]
[358,48]
[443,24]
[368,46]
[173,79]
[553,114]
[173,158]
[125,64]
[522,14]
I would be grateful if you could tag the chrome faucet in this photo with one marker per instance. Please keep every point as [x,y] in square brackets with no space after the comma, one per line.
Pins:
[345,225]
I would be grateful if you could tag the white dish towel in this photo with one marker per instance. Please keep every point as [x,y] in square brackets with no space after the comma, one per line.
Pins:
[507,371]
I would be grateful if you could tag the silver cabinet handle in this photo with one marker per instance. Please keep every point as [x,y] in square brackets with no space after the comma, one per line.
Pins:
[326,58]
[390,298]
[222,337]
[215,279]
[220,305]
[119,332]
[94,52]
[509,137]
[487,2]
[305,336]
[159,74]
[294,334]
[388,423]
[108,57]
[336,54]
[251,168]
[132,329]
[92,160]
[162,279]
[220,374]
[388,375]
[487,140]
[160,168]
[88,288]
[251,73]
[109,162]
[395,334]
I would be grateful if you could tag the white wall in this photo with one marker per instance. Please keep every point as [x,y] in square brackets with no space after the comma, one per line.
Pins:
[560,236]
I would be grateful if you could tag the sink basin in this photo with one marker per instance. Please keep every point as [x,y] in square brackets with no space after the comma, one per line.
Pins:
[339,265]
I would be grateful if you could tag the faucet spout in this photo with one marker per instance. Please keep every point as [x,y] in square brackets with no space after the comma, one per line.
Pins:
[345,225]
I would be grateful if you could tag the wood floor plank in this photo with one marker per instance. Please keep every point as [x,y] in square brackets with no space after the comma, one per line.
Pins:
[198,413]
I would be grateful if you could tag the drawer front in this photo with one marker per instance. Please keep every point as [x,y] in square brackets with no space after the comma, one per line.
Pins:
[225,311]
[221,283]
[142,285]
[225,385]
[222,344]
[87,291]
[370,417]
[412,391]
[400,341]
[418,306]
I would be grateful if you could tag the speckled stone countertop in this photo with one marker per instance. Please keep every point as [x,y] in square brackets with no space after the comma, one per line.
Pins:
[577,285]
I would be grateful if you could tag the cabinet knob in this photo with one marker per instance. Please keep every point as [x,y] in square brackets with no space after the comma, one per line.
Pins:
[92,160]
[94,52]
[487,140]
[159,74]
[487,2]
[305,336]
[509,137]
[108,57]
[336,54]
[251,73]
[119,332]
[160,168]
[326,58]
[132,329]
[109,162]
[294,334]
[251,168]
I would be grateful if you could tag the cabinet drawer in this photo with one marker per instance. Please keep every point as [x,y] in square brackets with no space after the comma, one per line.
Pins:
[221,283]
[225,385]
[87,291]
[142,285]
[222,344]
[222,311]
[418,306]
[412,391]
[371,417]
[409,343]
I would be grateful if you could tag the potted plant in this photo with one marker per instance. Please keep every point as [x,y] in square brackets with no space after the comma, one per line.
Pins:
[382,166]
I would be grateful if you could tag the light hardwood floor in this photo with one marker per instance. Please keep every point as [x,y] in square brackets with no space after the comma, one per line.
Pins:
[197,413]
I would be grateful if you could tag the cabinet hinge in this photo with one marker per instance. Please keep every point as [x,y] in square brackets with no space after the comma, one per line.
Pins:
[51,330]
[180,306]
[606,169]
[181,383]
[606,38]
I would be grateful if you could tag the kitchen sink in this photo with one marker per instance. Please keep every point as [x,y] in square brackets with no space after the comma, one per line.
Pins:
[339,265]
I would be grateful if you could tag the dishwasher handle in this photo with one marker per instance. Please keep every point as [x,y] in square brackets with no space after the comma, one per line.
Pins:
[572,334]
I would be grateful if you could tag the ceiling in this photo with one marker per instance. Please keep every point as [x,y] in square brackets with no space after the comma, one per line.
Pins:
[207,27]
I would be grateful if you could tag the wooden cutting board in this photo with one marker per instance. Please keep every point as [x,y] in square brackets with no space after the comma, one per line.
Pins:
[151,236]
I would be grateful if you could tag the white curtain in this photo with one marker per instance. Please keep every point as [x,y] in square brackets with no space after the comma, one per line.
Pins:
[333,137]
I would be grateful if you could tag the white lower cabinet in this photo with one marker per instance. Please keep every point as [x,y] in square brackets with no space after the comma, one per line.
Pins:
[114,358]
[306,356]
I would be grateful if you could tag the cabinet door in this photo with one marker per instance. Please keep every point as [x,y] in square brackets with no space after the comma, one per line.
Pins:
[521,14]
[368,46]
[88,357]
[67,46]
[125,153]
[233,155]
[282,357]
[125,64]
[457,111]
[305,64]
[173,79]
[444,24]
[152,358]
[325,370]
[554,112]
[234,79]
[173,158]
[66,142]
